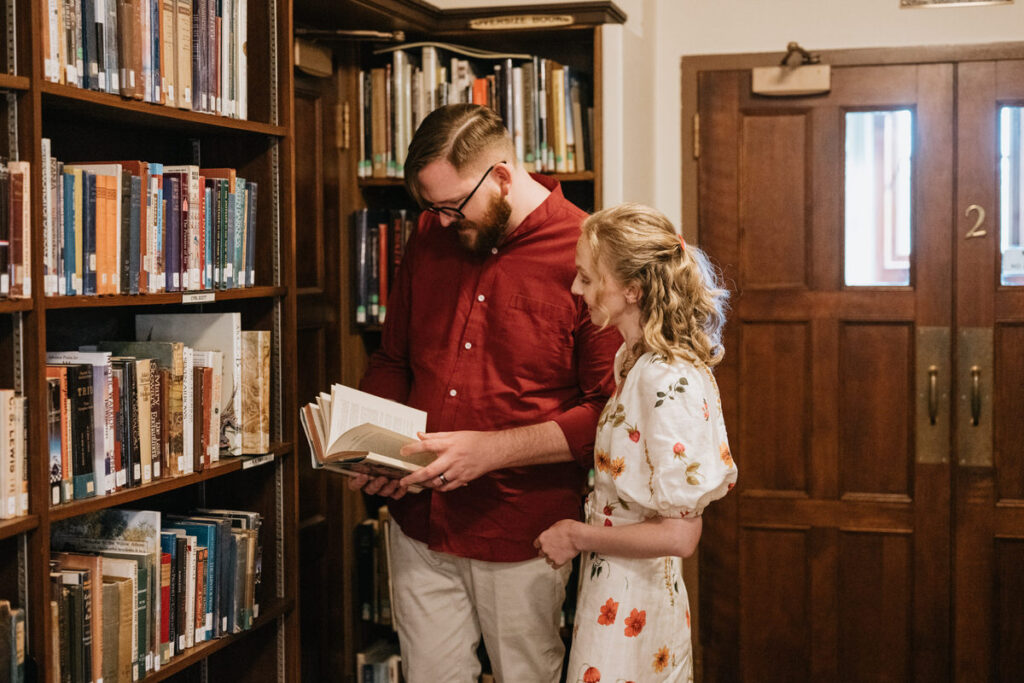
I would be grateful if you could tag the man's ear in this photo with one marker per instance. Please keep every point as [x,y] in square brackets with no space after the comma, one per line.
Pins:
[503,174]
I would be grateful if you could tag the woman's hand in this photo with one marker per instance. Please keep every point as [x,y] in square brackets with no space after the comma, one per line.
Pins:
[558,544]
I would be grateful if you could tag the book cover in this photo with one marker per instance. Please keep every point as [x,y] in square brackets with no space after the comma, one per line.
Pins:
[255,392]
[207,332]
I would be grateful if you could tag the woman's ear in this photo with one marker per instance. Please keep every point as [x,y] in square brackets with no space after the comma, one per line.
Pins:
[632,294]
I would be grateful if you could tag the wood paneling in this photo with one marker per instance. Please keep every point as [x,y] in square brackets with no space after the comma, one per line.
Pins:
[772,211]
[774,605]
[775,405]
[1008,416]
[1009,602]
[875,604]
[875,408]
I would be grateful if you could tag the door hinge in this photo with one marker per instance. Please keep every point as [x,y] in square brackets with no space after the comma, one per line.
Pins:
[696,135]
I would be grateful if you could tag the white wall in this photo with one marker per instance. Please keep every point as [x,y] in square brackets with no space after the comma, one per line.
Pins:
[642,64]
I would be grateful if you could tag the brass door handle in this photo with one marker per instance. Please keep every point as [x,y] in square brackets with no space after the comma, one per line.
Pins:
[975,395]
[933,393]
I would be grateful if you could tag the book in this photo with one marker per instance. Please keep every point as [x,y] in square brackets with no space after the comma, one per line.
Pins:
[207,332]
[353,432]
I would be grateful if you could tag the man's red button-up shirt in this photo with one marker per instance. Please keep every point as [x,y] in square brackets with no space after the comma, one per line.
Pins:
[488,344]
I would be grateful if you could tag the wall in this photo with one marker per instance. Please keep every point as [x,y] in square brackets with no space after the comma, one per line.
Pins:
[642,64]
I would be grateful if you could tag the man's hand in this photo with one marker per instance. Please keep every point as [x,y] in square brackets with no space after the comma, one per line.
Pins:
[461,457]
[379,486]
[557,544]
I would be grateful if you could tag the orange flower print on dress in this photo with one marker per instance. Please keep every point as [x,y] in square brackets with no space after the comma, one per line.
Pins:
[726,455]
[635,623]
[617,467]
[687,618]
[609,610]
[660,660]
[601,460]
[679,450]
[591,675]
[707,413]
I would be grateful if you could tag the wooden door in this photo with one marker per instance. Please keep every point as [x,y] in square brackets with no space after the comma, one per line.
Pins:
[831,559]
[989,478]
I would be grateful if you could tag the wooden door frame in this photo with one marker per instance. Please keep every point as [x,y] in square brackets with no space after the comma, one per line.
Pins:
[692,65]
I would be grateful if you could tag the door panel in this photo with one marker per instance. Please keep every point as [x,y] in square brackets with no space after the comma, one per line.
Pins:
[826,562]
[989,482]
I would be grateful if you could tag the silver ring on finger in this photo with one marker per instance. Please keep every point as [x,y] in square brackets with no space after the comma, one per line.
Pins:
[444,479]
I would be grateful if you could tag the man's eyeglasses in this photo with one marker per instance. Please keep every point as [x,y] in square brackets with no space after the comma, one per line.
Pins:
[455,212]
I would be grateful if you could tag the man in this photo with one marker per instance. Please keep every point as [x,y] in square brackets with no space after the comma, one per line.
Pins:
[483,333]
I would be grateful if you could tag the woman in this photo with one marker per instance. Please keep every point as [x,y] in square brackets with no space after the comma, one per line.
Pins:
[661,453]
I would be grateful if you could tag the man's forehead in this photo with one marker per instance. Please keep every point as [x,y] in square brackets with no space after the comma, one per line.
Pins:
[440,183]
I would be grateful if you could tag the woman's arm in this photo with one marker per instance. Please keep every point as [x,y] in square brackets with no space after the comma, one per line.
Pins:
[655,537]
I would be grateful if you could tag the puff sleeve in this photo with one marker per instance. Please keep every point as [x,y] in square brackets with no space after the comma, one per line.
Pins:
[678,414]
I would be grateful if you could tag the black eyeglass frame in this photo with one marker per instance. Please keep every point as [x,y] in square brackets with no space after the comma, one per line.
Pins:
[455,212]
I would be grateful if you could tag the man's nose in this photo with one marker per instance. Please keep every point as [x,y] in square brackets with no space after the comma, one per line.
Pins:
[446,220]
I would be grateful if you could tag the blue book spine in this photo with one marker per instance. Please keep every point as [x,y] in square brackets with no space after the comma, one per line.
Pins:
[88,233]
[69,234]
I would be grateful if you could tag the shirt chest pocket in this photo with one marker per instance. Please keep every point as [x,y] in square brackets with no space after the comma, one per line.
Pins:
[535,340]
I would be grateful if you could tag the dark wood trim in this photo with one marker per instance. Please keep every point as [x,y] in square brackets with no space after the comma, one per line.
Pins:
[113,106]
[875,56]
[179,663]
[18,525]
[83,301]
[217,469]
[421,16]
[12,82]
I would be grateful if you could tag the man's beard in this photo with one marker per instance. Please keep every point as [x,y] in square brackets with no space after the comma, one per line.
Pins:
[480,238]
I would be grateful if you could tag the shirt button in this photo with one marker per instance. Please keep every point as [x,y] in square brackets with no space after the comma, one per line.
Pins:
[494,250]
[480,297]
[468,345]
[452,392]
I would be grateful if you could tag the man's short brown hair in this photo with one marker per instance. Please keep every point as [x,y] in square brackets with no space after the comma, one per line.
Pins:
[458,133]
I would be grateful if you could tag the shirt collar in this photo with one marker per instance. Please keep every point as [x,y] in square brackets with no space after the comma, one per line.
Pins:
[544,212]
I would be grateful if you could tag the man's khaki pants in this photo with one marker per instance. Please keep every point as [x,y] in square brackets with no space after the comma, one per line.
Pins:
[443,603]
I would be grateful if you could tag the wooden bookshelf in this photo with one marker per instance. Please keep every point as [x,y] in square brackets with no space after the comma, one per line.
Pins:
[333,347]
[89,125]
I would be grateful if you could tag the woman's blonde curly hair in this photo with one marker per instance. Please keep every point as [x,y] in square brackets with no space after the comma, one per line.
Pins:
[682,300]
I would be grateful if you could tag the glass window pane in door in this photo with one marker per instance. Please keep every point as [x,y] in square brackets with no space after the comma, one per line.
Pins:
[1011,192]
[879,151]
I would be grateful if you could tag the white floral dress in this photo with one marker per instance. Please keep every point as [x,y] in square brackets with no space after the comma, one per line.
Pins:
[661,450]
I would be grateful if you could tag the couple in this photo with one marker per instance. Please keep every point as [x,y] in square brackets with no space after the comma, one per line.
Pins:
[503,325]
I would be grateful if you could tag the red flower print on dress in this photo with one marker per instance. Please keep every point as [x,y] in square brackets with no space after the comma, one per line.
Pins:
[679,450]
[635,623]
[707,413]
[609,610]
[607,522]
[591,675]
[634,433]
[660,660]
[687,618]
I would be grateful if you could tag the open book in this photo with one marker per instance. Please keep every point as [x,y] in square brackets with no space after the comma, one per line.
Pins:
[353,432]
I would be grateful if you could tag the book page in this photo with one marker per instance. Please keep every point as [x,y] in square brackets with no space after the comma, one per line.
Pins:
[351,408]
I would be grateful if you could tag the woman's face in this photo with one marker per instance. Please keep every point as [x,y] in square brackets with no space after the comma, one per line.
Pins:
[609,301]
